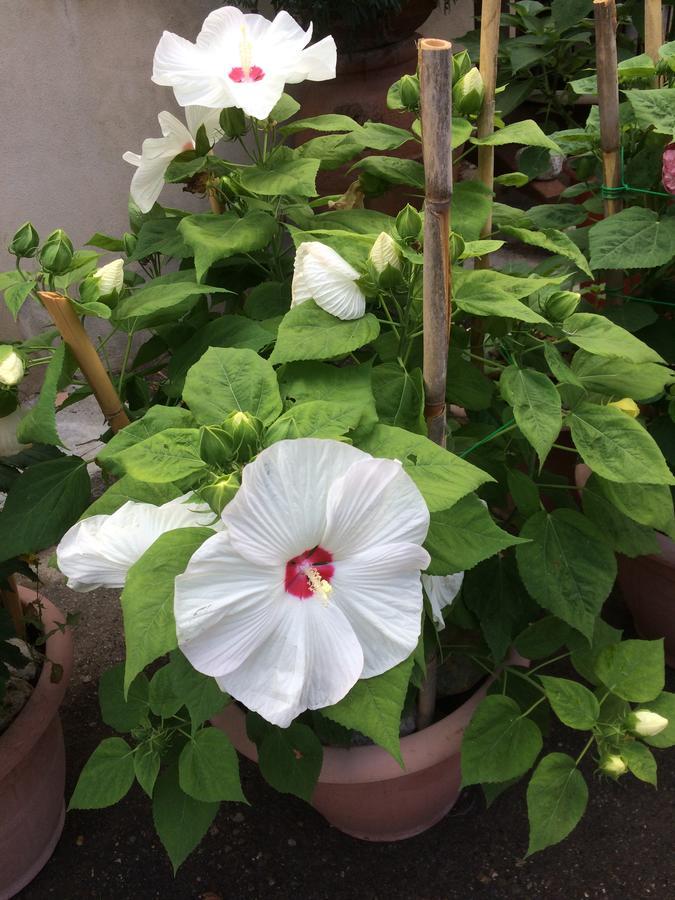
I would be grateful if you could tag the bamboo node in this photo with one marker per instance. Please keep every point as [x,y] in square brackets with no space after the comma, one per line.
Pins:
[433,410]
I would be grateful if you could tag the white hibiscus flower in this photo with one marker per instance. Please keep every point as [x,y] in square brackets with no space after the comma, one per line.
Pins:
[110,277]
[314,583]
[322,275]
[441,591]
[157,153]
[241,60]
[99,551]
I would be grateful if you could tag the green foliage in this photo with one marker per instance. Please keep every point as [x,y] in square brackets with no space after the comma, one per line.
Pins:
[308,332]
[499,743]
[290,759]
[556,799]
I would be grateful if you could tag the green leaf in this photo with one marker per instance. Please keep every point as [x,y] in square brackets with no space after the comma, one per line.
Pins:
[156,419]
[512,179]
[309,332]
[38,426]
[654,108]
[499,743]
[290,760]
[123,707]
[526,132]
[550,239]
[399,396]
[147,762]
[128,488]
[566,567]
[42,505]
[105,242]
[596,334]
[584,656]
[640,761]
[315,418]
[618,378]
[164,701]
[160,236]
[180,820]
[633,670]
[228,380]
[536,407]
[266,300]
[634,238]
[199,693]
[648,504]
[572,703]
[214,237]
[147,598]
[463,536]
[293,177]
[107,776]
[208,768]
[302,381]
[170,455]
[17,294]
[467,386]
[441,477]
[471,206]
[524,491]
[616,446]
[393,170]
[556,800]
[621,533]
[542,638]
[664,705]
[480,293]
[164,299]
[374,706]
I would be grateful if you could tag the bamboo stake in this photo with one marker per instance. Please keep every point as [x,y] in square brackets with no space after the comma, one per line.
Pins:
[653,28]
[435,67]
[608,100]
[9,598]
[489,47]
[73,333]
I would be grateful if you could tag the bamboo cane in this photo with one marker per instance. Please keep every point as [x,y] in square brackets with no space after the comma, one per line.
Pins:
[73,333]
[435,67]
[489,47]
[653,28]
[608,100]
[9,598]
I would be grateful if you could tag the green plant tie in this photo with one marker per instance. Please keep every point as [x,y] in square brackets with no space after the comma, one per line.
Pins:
[614,292]
[611,193]
[487,438]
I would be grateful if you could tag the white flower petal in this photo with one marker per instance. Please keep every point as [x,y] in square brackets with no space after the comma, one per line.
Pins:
[258,98]
[110,277]
[374,502]
[441,591]
[380,593]
[100,550]
[219,24]
[196,116]
[280,509]
[322,275]
[156,154]
[316,63]
[197,76]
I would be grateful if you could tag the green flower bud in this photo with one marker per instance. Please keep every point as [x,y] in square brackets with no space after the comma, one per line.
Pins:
[215,446]
[468,93]
[457,246]
[410,91]
[219,493]
[245,433]
[561,304]
[233,122]
[25,242]
[461,63]
[409,223]
[130,241]
[614,766]
[56,253]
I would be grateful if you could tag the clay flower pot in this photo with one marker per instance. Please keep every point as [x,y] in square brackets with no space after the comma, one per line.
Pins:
[365,793]
[32,767]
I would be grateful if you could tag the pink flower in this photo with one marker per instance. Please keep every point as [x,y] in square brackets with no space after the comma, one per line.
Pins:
[668,172]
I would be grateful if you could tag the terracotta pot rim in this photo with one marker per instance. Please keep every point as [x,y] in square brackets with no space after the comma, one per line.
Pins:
[38,713]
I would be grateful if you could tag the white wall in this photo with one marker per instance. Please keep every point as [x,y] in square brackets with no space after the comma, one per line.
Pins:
[75,93]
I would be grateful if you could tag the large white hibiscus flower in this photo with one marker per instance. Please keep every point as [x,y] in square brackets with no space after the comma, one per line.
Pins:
[157,153]
[322,275]
[241,60]
[99,551]
[313,584]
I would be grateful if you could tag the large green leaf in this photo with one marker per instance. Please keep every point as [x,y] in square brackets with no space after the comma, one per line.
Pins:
[208,768]
[526,132]
[160,236]
[128,488]
[229,380]
[485,293]
[596,334]
[441,477]
[309,380]
[654,108]
[618,378]
[309,332]
[634,238]
[633,670]
[170,455]
[616,446]
[466,384]
[282,175]
[463,536]
[147,598]
[572,703]
[567,568]
[556,799]
[536,406]
[290,760]
[120,709]
[648,504]
[640,761]
[38,426]
[471,205]
[199,693]
[314,418]
[499,743]
[164,299]
[374,706]
[180,820]
[156,419]
[621,533]
[107,776]
[393,170]
[399,396]
[214,237]
[42,504]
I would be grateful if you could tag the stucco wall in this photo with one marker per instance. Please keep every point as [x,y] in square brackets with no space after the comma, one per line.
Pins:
[75,93]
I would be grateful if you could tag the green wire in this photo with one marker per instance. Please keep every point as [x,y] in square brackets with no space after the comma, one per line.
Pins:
[487,438]
[610,193]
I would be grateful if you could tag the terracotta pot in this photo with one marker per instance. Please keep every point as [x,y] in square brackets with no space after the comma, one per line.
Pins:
[365,793]
[32,767]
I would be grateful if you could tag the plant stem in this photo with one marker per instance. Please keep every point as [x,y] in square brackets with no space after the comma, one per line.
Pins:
[584,751]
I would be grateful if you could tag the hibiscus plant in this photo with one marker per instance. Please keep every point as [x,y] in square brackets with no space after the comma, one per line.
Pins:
[285,534]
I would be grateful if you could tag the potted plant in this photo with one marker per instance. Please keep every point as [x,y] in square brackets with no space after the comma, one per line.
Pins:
[303,570]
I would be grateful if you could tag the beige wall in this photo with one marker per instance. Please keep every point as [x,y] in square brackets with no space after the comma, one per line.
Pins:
[75,93]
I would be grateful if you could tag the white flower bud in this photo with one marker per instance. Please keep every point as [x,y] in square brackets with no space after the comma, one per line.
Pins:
[11,366]
[110,277]
[646,723]
[384,253]
[613,765]
[322,275]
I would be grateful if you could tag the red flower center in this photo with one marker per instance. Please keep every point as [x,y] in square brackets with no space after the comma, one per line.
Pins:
[296,581]
[241,75]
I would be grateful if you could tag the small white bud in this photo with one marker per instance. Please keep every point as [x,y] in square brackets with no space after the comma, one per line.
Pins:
[613,765]
[646,723]
[110,277]
[384,253]
[11,366]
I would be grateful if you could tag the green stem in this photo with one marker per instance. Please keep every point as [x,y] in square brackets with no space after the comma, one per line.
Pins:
[125,360]
[549,662]
[589,742]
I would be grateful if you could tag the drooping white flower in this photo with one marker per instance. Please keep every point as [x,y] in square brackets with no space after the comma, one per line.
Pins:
[9,445]
[322,275]
[99,551]
[385,252]
[157,153]
[646,723]
[313,584]
[12,366]
[110,277]
[441,591]
[241,60]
